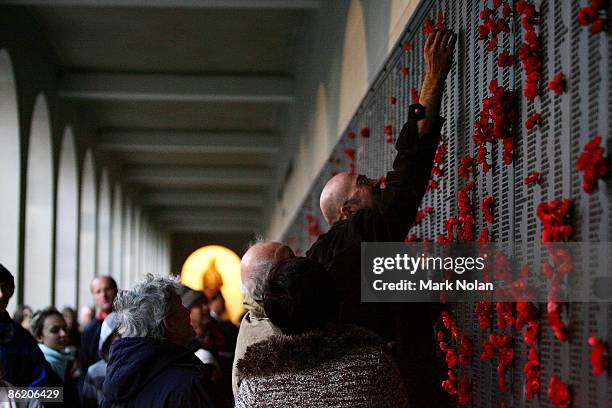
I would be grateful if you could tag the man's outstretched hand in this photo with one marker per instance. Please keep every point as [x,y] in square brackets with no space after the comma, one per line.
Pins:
[438,54]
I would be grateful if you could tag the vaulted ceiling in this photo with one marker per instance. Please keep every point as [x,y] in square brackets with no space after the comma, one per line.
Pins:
[189,96]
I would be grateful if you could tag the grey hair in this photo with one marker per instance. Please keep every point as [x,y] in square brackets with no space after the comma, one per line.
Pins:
[253,288]
[141,310]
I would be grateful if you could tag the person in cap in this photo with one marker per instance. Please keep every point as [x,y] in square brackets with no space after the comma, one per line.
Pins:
[21,360]
[91,393]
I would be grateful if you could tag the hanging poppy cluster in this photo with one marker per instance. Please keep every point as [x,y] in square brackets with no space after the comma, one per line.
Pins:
[463,387]
[558,394]
[593,163]
[493,25]
[530,52]
[466,167]
[593,15]
[527,317]
[554,216]
[496,121]
[487,209]
[465,226]
[499,344]
[436,169]
[598,355]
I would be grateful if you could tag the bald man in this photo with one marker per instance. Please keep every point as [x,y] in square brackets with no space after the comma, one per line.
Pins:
[258,260]
[358,210]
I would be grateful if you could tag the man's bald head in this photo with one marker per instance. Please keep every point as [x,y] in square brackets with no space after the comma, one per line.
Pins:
[344,194]
[258,260]
[334,194]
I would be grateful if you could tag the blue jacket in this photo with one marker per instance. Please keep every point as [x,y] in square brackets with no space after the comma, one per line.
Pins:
[143,372]
[22,361]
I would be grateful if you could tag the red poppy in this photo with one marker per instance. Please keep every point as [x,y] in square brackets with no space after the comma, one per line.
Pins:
[388,130]
[390,139]
[440,21]
[350,153]
[466,166]
[350,135]
[404,70]
[532,375]
[392,100]
[532,121]
[440,152]
[593,163]
[497,3]
[555,220]
[428,26]
[557,84]
[506,11]
[487,210]
[558,394]
[532,178]
[414,95]
[505,59]
[598,356]
[491,44]
[555,321]
[365,132]
[590,15]
[484,236]
[407,46]
[485,13]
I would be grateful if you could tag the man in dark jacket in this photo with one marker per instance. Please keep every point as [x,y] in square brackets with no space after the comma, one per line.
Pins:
[103,290]
[149,365]
[21,361]
[358,210]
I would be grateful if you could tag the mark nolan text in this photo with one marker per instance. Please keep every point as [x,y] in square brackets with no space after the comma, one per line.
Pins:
[405,284]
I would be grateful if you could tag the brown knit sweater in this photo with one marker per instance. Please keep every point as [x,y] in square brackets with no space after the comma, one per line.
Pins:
[342,366]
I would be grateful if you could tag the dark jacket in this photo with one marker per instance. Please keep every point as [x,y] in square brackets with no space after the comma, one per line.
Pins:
[344,366]
[409,325]
[143,372]
[89,353]
[339,250]
[23,364]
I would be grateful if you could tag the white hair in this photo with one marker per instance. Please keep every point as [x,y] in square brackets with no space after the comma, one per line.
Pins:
[253,288]
[141,310]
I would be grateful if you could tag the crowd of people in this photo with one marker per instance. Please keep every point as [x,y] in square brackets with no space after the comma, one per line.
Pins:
[305,338]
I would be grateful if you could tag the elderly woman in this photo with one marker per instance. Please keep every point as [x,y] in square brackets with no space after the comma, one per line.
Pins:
[315,362]
[149,366]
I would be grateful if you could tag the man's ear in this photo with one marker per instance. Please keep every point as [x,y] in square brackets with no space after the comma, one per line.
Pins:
[283,252]
[346,211]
